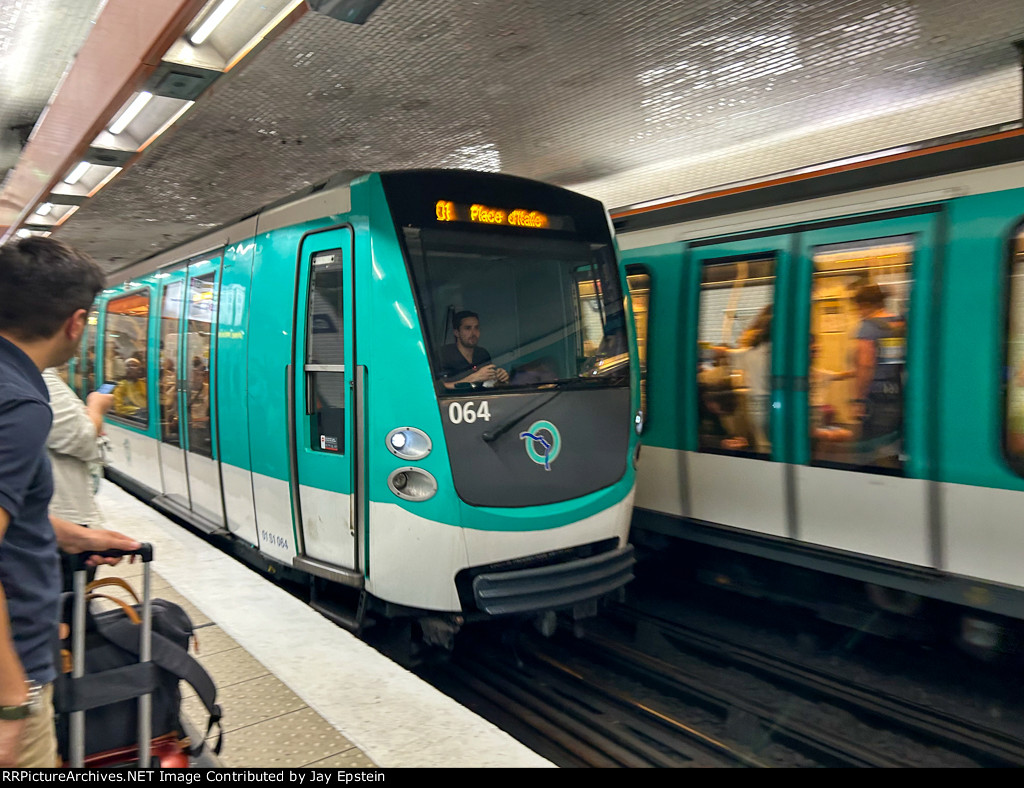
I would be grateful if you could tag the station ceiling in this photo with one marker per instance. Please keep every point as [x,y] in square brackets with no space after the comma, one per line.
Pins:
[626,102]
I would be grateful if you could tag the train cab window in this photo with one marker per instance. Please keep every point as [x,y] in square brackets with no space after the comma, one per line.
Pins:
[325,353]
[735,354]
[545,312]
[859,308]
[202,315]
[638,278]
[1013,431]
[170,321]
[124,356]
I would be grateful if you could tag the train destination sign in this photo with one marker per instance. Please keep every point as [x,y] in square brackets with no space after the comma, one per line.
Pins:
[448,211]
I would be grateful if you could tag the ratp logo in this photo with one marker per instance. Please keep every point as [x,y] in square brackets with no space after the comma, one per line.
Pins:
[541,448]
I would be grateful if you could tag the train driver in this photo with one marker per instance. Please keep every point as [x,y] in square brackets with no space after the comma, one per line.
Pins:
[465,361]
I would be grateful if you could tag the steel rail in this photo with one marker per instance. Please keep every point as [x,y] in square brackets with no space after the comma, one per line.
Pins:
[986,745]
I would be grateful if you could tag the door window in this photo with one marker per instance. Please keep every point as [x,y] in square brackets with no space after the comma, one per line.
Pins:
[170,322]
[734,356]
[1013,435]
[857,378]
[202,313]
[325,353]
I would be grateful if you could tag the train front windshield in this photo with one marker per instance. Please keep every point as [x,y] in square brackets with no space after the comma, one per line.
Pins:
[512,313]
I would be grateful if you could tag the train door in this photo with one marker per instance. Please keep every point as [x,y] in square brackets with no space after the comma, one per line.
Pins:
[738,294]
[197,396]
[864,342]
[323,403]
[172,451]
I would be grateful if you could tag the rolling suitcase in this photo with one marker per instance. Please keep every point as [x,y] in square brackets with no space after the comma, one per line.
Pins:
[125,673]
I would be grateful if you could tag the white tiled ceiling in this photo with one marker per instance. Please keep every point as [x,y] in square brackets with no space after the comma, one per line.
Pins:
[38,40]
[626,102]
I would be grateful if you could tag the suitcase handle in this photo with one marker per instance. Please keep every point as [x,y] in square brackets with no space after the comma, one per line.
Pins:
[144,551]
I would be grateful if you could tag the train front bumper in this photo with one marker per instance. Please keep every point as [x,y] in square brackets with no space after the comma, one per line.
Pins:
[553,587]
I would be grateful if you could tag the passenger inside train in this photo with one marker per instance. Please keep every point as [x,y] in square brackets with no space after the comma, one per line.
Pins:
[130,392]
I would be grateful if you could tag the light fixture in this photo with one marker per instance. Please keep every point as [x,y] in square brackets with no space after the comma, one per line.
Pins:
[44,209]
[214,19]
[77,173]
[23,233]
[129,114]
[354,11]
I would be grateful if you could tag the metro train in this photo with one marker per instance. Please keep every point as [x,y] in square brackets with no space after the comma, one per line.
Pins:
[280,382]
[834,387]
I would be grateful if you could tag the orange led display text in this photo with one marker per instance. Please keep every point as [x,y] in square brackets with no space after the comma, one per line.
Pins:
[447,211]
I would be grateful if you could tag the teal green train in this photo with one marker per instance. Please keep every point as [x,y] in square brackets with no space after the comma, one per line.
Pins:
[834,386]
[416,391]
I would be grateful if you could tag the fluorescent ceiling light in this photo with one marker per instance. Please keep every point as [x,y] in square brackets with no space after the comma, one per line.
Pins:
[23,233]
[129,114]
[77,173]
[44,209]
[212,21]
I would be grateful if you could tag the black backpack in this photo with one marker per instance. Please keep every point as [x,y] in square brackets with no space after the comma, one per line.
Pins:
[114,678]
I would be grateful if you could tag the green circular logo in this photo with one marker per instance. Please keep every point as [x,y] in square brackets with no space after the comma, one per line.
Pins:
[543,443]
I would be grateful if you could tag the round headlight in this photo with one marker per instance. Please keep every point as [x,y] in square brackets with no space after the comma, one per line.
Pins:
[408,443]
[412,484]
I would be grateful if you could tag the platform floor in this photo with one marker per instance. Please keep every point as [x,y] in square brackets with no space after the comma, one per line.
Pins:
[295,689]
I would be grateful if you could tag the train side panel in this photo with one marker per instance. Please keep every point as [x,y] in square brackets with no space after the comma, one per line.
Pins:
[232,390]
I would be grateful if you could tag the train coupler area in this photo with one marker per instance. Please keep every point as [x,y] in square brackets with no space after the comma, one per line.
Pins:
[563,586]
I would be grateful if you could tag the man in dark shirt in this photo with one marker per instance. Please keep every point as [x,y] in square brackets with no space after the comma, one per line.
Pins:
[46,289]
[466,361]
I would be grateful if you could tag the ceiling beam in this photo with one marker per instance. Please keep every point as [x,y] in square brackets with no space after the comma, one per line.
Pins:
[123,49]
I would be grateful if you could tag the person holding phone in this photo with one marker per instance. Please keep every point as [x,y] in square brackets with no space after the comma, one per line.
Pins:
[75,447]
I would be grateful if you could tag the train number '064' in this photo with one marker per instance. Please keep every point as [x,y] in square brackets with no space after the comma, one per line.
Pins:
[468,412]
[268,538]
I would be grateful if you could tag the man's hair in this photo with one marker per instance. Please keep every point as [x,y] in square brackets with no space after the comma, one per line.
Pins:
[458,317]
[43,282]
[869,294]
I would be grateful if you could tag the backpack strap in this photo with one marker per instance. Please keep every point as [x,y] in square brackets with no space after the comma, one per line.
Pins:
[171,657]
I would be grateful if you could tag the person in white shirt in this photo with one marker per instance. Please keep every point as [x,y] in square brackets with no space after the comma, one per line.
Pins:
[76,454]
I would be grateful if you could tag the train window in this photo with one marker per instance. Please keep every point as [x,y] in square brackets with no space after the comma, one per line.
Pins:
[859,306]
[202,314]
[1013,434]
[170,321]
[86,368]
[735,354]
[541,311]
[325,352]
[124,356]
[638,279]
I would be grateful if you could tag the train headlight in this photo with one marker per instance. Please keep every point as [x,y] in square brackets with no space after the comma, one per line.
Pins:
[412,484]
[408,443]
[638,422]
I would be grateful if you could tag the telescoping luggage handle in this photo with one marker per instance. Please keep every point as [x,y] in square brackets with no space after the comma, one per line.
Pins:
[76,726]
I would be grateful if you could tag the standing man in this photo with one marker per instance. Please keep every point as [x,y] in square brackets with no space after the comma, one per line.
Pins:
[466,361]
[46,289]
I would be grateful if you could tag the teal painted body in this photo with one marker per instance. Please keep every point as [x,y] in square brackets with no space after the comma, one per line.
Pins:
[260,368]
[950,505]
[956,353]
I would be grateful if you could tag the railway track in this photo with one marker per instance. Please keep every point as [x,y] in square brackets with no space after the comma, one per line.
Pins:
[926,732]
[629,695]
[570,718]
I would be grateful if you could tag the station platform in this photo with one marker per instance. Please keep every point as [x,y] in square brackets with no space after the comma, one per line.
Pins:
[295,689]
